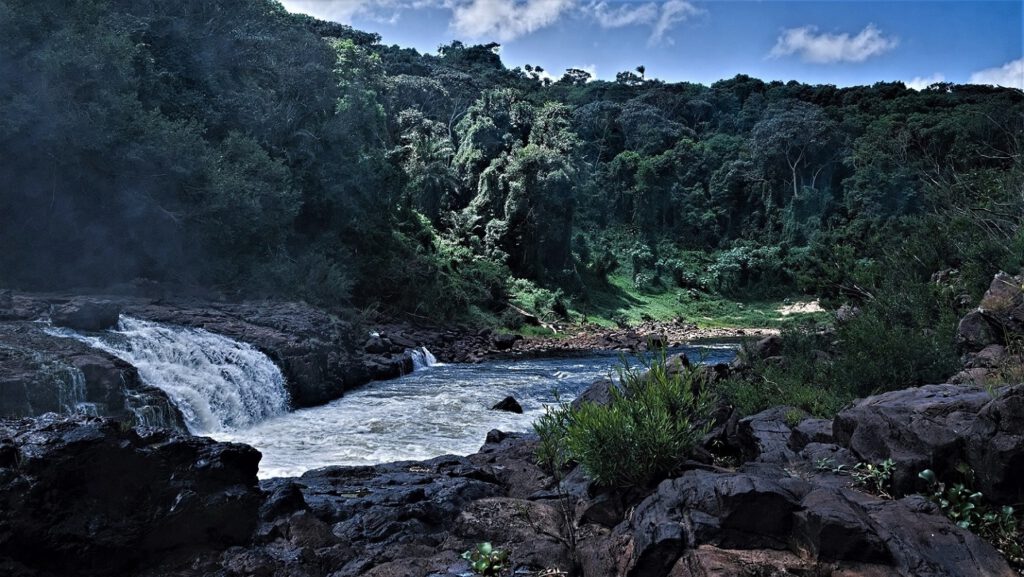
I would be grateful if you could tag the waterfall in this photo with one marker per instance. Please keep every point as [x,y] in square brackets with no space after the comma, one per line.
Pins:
[422,358]
[217,383]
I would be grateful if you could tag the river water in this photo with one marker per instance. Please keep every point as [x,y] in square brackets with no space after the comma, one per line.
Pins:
[229,391]
[442,409]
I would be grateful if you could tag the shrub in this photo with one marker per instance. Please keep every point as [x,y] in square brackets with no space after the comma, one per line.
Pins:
[640,437]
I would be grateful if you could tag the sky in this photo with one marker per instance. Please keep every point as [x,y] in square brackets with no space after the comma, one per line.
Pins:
[837,42]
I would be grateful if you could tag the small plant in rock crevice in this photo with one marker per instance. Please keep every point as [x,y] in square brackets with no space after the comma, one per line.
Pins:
[484,559]
[970,510]
[875,478]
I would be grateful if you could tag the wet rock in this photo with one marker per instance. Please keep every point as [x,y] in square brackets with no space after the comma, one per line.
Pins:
[505,342]
[376,345]
[599,392]
[508,404]
[86,314]
[531,531]
[995,447]
[42,373]
[89,497]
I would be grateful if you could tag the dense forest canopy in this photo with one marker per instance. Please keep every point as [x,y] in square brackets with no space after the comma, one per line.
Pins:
[231,145]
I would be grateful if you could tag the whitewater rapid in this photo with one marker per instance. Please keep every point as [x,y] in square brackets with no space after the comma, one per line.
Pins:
[217,383]
[444,409]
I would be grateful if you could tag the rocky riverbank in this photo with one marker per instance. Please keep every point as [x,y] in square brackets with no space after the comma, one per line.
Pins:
[89,497]
[321,355]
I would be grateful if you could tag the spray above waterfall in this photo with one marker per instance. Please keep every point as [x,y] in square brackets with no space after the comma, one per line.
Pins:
[217,383]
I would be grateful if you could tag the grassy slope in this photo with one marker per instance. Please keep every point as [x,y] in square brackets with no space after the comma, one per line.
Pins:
[623,301]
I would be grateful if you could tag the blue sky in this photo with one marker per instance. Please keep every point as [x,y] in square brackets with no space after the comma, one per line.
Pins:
[815,41]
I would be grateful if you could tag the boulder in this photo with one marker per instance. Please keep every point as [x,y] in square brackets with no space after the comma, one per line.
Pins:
[810,431]
[995,447]
[86,314]
[975,332]
[917,428]
[766,436]
[532,532]
[504,341]
[508,404]
[90,497]
[599,392]
[1003,303]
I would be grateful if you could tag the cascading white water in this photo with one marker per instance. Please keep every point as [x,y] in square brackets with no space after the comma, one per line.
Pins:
[422,358]
[217,383]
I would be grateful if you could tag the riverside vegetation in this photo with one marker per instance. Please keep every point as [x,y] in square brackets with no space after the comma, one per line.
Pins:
[231,151]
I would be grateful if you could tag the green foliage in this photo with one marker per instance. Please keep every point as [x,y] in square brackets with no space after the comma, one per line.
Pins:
[644,434]
[484,559]
[969,510]
[875,477]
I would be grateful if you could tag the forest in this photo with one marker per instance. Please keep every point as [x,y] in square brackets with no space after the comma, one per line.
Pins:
[233,148]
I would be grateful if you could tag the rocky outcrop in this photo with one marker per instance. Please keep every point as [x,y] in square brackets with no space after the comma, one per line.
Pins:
[41,373]
[58,480]
[89,497]
[85,314]
[508,404]
[940,427]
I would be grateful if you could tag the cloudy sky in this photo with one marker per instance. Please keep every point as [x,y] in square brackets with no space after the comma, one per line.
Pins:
[816,41]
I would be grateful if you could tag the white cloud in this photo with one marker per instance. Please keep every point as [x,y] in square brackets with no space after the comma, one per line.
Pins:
[1010,75]
[506,20]
[826,48]
[624,15]
[333,10]
[660,17]
[672,12]
[922,82]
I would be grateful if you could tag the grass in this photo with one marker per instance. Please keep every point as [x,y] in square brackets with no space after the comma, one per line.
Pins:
[620,300]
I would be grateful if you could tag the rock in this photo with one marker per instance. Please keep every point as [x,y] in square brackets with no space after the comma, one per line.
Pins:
[995,447]
[832,526]
[766,436]
[599,392]
[508,404]
[770,346]
[1003,303]
[810,431]
[532,532]
[974,332]
[89,497]
[922,428]
[41,373]
[847,313]
[990,357]
[86,315]
[505,342]
[376,345]
[977,377]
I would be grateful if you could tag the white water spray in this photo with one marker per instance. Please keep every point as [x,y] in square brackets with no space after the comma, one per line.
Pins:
[422,358]
[217,383]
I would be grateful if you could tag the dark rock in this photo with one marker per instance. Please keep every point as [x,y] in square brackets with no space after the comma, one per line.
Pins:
[376,345]
[832,526]
[89,497]
[1003,303]
[599,392]
[508,404]
[505,342]
[995,447]
[923,428]
[975,332]
[770,346]
[41,373]
[86,315]
[810,431]
[766,435]
[532,531]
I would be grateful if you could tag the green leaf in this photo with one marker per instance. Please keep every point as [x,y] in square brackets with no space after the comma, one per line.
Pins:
[485,548]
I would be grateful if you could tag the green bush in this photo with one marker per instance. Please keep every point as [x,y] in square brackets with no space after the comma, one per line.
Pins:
[643,435]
